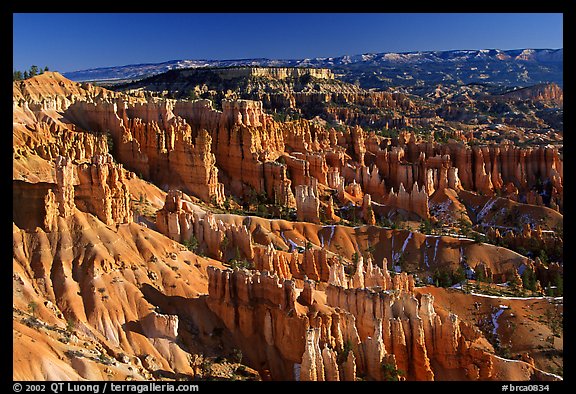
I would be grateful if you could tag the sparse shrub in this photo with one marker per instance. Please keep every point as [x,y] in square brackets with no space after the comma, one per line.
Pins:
[350,269]
[237,255]
[504,351]
[110,142]
[478,238]
[241,264]
[390,372]
[389,133]
[33,308]
[514,282]
[464,227]
[355,258]
[224,244]
[444,277]
[459,275]
[104,359]
[441,278]
[425,227]
[520,249]
[557,282]
[480,277]
[32,321]
[74,353]
[343,355]
[403,262]
[70,325]
[279,116]
[543,257]
[191,244]
[192,95]
[369,252]
[237,356]
[554,321]
[240,370]
[529,279]
[262,210]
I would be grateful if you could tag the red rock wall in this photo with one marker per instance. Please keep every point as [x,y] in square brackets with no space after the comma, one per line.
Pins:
[102,190]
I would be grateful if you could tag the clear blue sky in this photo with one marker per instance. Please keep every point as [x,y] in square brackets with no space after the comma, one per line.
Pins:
[70,42]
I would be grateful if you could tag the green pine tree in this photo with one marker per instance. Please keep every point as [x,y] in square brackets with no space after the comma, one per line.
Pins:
[33,71]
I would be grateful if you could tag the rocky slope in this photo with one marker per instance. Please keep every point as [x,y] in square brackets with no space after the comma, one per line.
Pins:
[157,238]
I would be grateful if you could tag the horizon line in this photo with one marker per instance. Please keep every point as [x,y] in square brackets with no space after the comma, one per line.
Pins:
[305,58]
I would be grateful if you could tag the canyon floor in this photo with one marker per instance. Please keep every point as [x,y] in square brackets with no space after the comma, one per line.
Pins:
[280,224]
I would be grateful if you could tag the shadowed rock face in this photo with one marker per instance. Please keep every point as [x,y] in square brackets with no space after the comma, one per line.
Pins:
[154,238]
[379,327]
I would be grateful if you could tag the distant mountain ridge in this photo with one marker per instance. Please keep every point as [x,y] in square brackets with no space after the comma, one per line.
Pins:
[518,67]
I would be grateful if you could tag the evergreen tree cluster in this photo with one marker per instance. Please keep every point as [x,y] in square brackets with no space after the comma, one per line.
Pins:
[18,75]
[529,279]
[444,277]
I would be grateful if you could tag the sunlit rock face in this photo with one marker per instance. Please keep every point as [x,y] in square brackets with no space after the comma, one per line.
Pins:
[163,238]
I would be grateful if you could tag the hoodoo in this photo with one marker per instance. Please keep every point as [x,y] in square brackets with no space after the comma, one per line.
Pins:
[290,223]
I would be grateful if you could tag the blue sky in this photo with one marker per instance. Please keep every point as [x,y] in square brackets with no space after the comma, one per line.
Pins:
[70,42]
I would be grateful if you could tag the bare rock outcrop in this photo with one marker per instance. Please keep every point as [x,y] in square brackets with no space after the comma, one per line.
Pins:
[367,211]
[321,301]
[278,185]
[183,222]
[330,214]
[312,361]
[102,190]
[307,203]
[65,177]
[260,308]
[98,188]
[157,325]
[269,259]
[415,201]
[549,92]
[485,169]
[148,139]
